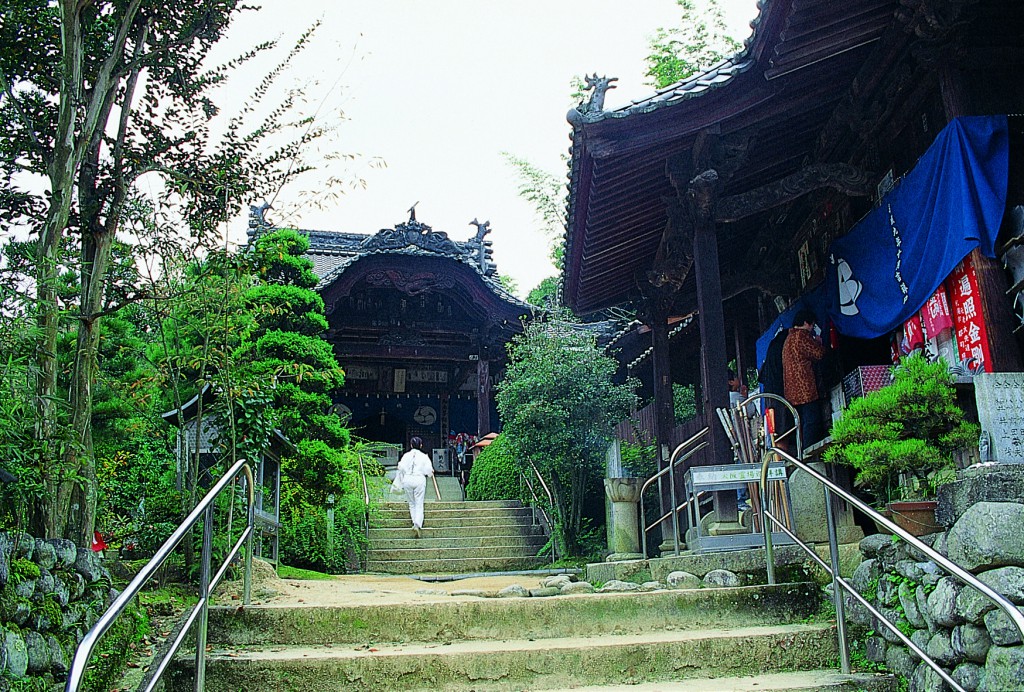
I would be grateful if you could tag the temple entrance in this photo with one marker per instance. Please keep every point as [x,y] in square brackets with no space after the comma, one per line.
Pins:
[382,428]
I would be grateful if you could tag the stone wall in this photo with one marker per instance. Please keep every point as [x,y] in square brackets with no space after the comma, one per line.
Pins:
[957,626]
[51,593]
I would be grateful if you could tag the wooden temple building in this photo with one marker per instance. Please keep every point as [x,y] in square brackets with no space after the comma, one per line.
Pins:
[848,146]
[419,322]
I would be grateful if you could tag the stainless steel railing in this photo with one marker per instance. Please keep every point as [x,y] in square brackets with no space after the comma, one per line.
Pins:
[839,583]
[538,505]
[204,511]
[670,470]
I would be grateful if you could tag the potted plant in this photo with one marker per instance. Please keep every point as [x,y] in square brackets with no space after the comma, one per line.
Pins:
[901,440]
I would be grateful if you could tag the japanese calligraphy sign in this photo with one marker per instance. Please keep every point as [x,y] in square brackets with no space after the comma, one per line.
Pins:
[968,321]
[935,314]
[1000,398]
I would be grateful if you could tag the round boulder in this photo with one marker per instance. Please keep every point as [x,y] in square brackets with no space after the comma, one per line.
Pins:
[16,654]
[38,652]
[988,535]
[617,586]
[574,587]
[44,555]
[65,550]
[721,578]
[682,580]
[514,591]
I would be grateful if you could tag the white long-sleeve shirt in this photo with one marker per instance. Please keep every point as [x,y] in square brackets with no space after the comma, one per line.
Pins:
[414,467]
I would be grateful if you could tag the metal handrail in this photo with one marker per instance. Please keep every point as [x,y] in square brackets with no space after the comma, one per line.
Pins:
[838,582]
[536,506]
[204,510]
[366,505]
[670,470]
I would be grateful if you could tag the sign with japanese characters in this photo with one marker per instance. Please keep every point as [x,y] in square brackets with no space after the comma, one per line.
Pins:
[968,321]
[1000,397]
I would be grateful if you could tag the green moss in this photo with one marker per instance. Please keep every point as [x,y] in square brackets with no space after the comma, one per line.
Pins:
[111,657]
[287,572]
[24,568]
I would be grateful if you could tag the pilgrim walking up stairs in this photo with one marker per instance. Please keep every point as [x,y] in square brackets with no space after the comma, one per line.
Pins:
[458,537]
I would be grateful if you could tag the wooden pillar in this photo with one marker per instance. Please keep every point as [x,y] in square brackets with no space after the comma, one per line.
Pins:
[714,364]
[483,395]
[993,284]
[664,407]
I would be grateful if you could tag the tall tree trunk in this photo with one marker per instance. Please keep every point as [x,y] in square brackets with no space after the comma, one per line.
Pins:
[80,456]
[49,515]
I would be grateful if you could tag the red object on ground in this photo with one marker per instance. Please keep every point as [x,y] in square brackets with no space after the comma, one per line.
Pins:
[98,543]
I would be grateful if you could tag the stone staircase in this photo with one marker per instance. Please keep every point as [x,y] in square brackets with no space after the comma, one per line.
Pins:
[744,638]
[458,538]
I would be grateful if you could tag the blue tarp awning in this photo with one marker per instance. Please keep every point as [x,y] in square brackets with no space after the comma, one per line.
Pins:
[890,263]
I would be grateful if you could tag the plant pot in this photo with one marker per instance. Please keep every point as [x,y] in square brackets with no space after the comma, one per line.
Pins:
[883,529]
[916,518]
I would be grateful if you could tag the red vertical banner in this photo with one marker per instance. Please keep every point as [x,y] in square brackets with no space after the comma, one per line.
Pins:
[935,314]
[968,322]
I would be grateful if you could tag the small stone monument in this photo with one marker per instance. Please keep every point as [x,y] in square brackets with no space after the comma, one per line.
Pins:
[624,494]
[1000,475]
[1000,397]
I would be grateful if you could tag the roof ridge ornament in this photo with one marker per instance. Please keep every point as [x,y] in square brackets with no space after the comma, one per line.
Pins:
[482,229]
[600,86]
[258,220]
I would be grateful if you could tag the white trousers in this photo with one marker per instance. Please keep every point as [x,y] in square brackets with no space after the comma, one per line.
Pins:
[415,489]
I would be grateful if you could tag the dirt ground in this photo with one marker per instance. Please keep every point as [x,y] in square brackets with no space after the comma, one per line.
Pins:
[360,589]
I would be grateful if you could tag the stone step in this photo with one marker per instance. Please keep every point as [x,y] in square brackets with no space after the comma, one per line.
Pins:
[798,681]
[450,522]
[382,534]
[463,565]
[454,512]
[534,542]
[475,504]
[472,618]
[553,663]
[377,553]
[449,487]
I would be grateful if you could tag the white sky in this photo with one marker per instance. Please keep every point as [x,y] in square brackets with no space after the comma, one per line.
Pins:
[438,88]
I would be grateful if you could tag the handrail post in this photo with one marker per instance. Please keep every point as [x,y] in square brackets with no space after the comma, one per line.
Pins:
[672,498]
[837,595]
[643,524]
[251,525]
[204,595]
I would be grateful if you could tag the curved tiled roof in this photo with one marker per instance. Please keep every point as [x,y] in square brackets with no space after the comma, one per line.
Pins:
[332,252]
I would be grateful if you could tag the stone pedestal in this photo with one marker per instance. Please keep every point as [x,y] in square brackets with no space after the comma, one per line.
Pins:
[808,498]
[624,494]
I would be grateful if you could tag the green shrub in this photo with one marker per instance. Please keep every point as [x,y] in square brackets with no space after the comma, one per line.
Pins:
[496,475]
[641,460]
[901,438]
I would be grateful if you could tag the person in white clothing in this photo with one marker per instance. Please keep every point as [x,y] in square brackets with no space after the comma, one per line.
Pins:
[413,469]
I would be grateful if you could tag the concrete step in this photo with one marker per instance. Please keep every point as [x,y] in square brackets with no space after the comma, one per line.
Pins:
[452,521]
[382,534]
[518,664]
[798,681]
[534,542]
[449,487]
[466,618]
[453,512]
[456,565]
[381,552]
[476,504]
